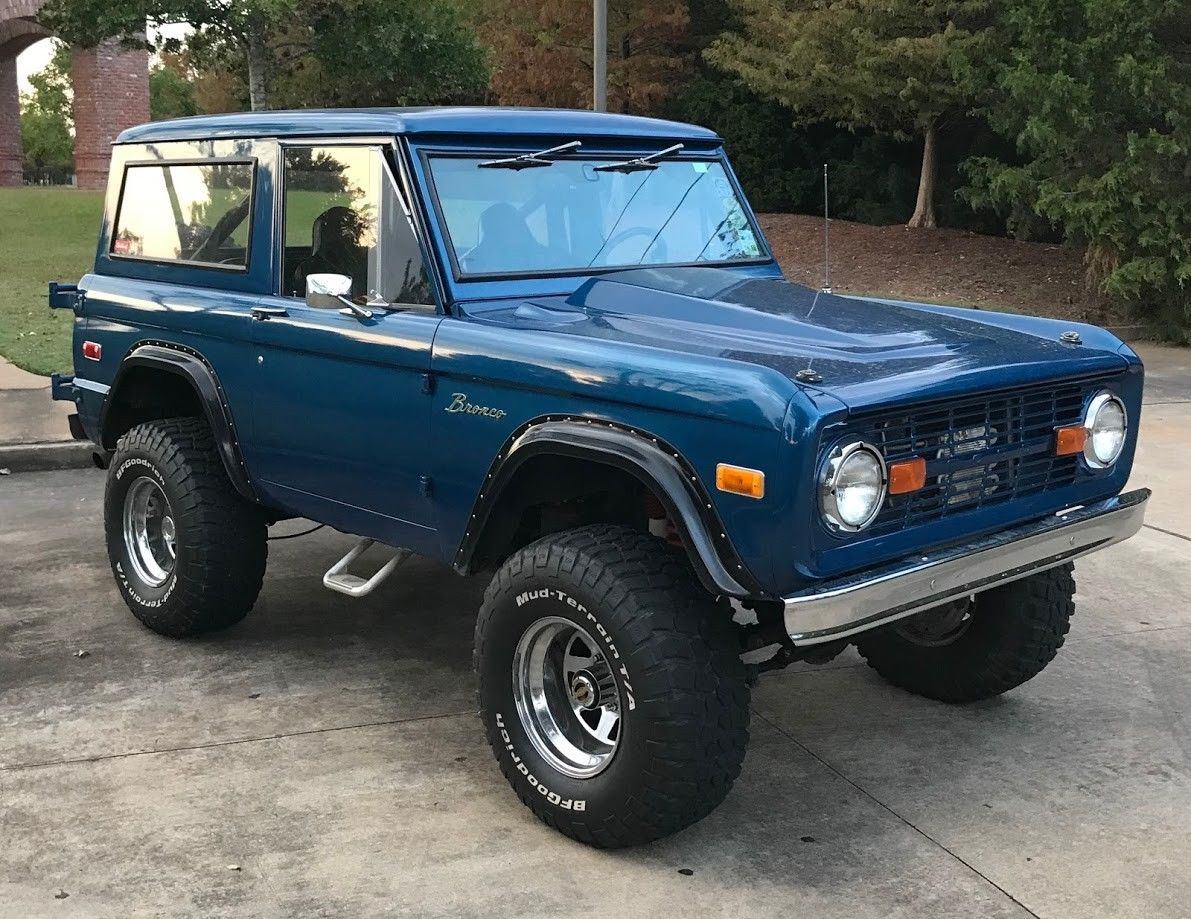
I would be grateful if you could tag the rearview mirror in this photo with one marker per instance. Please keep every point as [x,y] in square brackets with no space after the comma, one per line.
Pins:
[324,290]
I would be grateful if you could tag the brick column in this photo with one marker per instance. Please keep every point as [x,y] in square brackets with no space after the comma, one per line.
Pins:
[10,121]
[111,93]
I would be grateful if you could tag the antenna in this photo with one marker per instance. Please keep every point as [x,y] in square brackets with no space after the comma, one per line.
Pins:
[826,238]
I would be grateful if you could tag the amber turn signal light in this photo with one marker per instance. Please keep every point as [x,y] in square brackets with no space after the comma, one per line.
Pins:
[907,476]
[1070,440]
[738,480]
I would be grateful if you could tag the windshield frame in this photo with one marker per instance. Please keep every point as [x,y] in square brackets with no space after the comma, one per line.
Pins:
[426,154]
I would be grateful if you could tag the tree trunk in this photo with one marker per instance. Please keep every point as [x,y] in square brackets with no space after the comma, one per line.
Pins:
[258,97]
[924,210]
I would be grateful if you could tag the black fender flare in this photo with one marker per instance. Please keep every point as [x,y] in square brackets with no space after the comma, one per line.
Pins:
[649,459]
[191,366]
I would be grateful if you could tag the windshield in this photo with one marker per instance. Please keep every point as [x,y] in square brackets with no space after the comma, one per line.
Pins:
[571,216]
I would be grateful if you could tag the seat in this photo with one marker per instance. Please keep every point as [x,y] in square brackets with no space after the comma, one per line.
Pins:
[336,248]
[502,230]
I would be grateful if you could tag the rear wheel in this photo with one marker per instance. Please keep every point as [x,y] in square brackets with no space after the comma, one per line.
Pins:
[981,646]
[610,686]
[187,551]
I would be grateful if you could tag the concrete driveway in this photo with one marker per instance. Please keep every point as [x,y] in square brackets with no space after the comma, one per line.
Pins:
[324,758]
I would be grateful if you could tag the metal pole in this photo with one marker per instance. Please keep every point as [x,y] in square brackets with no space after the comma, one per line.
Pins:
[826,237]
[599,63]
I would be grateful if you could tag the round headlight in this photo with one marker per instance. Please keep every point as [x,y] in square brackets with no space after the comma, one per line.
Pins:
[1106,426]
[852,487]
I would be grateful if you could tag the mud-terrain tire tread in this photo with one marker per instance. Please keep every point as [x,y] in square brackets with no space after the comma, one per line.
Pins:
[680,637]
[219,584]
[1019,629]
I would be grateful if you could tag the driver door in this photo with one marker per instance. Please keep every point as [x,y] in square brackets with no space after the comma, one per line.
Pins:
[341,415]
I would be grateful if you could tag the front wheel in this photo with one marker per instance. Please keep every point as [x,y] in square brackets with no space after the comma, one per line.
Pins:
[611,686]
[981,646]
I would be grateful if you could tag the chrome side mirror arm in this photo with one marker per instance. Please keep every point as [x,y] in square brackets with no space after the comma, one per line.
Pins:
[351,308]
[327,291]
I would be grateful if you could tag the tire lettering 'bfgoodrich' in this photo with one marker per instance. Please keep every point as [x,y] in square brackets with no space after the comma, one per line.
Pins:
[120,573]
[547,593]
[570,804]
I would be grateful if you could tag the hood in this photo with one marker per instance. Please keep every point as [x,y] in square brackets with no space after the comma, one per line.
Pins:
[863,352]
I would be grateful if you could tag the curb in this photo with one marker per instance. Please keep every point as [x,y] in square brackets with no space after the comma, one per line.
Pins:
[67,454]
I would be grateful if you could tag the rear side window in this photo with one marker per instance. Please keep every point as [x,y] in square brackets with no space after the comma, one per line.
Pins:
[185,212]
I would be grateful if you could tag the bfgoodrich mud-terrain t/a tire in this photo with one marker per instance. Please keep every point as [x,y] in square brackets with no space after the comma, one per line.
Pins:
[611,686]
[187,551]
[977,648]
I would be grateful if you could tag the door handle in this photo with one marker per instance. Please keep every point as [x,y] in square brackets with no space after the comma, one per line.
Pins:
[266,312]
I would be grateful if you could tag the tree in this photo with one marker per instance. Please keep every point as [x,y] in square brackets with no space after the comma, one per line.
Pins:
[46,118]
[1097,96]
[381,52]
[542,51]
[243,23]
[171,88]
[323,53]
[900,67]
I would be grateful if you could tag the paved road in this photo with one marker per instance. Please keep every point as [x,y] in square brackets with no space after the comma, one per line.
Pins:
[329,749]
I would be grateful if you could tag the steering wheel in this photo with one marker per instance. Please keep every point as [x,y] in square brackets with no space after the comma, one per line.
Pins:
[659,246]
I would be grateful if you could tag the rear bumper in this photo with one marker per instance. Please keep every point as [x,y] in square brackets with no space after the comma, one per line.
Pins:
[856,603]
[61,387]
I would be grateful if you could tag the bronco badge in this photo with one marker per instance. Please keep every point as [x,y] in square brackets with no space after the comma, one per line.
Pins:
[459,404]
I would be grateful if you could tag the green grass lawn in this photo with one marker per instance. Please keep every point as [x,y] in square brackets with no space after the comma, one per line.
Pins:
[48,235]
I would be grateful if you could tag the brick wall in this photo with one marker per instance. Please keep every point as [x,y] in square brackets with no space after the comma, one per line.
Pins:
[111,93]
[18,31]
[10,121]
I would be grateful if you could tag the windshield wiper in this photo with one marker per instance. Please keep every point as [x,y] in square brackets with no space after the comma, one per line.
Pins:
[530,160]
[639,164]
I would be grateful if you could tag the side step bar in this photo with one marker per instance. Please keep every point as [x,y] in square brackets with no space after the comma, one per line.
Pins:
[337,577]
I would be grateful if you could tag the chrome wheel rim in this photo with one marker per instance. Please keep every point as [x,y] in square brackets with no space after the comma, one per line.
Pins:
[566,697]
[150,536]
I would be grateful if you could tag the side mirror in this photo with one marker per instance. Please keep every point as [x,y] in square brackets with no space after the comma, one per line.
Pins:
[324,290]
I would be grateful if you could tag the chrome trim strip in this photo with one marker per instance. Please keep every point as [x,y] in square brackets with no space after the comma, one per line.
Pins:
[100,388]
[856,603]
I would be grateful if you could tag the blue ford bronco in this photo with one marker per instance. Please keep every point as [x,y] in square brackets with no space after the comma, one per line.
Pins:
[555,347]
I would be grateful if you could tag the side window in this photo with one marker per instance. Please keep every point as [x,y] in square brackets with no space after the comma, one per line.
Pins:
[345,215]
[185,212]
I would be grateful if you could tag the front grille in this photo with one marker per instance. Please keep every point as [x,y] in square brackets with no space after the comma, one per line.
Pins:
[979,452]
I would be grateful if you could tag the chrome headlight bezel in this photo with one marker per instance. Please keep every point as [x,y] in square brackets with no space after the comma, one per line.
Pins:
[1095,406]
[836,462]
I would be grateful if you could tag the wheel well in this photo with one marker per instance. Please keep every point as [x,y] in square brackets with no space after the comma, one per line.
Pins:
[550,493]
[147,394]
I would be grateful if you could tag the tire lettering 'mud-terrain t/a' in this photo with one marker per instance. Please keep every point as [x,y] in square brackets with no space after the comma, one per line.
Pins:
[547,593]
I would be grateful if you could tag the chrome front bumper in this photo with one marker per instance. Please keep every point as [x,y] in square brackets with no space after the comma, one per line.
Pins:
[856,603]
